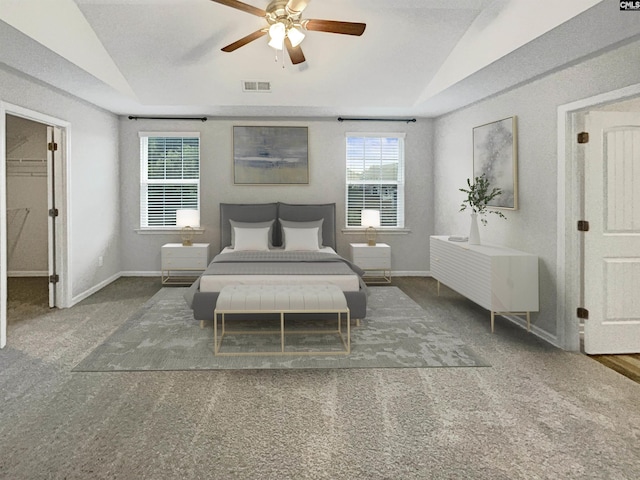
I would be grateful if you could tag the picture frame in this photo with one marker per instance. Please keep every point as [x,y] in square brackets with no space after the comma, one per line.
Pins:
[495,154]
[270,155]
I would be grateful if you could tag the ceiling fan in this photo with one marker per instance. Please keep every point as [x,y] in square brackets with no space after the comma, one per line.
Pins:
[285,26]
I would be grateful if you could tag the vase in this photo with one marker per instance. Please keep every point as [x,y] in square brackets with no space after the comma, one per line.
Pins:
[474,232]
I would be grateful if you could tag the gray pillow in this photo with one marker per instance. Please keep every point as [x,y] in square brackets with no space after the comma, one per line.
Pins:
[235,225]
[314,224]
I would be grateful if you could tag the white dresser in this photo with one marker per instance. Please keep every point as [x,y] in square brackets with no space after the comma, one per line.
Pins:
[180,264]
[502,280]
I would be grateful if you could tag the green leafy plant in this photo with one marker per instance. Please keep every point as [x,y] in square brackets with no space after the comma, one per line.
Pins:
[479,195]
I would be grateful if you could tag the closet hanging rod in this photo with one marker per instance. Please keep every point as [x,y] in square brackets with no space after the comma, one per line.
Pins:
[351,119]
[202,119]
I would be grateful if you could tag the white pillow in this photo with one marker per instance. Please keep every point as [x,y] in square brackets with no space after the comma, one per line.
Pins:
[301,239]
[251,239]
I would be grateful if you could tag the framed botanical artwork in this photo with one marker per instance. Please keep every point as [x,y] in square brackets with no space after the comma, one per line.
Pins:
[270,155]
[495,154]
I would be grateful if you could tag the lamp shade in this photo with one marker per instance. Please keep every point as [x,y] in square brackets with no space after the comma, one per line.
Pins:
[370,218]
[187,218]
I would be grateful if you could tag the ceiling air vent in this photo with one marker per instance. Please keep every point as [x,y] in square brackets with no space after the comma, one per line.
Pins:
[256,86]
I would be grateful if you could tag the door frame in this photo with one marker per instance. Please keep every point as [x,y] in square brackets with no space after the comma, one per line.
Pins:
[62,253]
[570,207]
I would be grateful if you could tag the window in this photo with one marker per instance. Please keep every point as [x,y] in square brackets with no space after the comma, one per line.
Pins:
[169,177]
[375,177]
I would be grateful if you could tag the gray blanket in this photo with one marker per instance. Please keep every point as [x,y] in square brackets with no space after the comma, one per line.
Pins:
[280,263]
[277,262]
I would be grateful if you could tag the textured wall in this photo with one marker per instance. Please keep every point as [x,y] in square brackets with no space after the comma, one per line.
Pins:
[92,165]
[532,228]
[141,252]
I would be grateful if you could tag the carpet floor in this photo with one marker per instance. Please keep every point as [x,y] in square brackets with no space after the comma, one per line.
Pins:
[163,335]
[536,413]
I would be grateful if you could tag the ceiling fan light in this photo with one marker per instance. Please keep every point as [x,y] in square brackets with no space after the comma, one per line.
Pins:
[295,36]
[277,32]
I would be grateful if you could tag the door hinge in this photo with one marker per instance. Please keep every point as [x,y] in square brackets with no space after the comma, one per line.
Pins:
[53,212]
[52,146]
[583,226]
[583,137]
[582,313]
[54,278]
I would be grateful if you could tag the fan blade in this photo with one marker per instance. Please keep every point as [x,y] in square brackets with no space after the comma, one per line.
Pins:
[295,7]
[332,26]
[242,6]
[295,53]
[244,40]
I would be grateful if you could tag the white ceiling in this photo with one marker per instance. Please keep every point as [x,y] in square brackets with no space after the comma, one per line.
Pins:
[416,57]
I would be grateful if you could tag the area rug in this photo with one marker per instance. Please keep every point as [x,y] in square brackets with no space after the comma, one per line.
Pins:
[163,335]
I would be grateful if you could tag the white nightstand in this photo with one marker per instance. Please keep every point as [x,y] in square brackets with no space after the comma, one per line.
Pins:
[187,262]
[374,260]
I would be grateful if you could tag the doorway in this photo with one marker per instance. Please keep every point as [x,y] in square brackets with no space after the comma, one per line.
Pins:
[575,271]
[32,207]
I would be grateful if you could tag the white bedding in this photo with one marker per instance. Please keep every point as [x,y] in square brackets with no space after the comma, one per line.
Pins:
[214,283]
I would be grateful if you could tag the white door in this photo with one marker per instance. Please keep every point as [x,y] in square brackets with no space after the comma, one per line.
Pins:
[54,159]
[612,244]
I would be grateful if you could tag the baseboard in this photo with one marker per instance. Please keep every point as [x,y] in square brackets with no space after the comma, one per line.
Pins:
[140,274]
[27,273]
[94,289]
[412,273]
[537,331]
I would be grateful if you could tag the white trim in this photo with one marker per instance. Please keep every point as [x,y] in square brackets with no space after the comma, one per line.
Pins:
[141,274]
[537,331]
[568,260]
[169,134]
[94,289]
[376,134]
[64,207]
[166,231]
[410,273]
[379,231]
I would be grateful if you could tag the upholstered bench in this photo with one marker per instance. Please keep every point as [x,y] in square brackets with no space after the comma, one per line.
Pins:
[282,300]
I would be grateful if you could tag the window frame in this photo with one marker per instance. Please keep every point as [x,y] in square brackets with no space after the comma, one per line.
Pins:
[400,181]
[145,181]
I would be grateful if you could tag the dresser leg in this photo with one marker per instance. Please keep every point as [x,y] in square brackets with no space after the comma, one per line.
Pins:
[528,321]
[438,287]
[493,316]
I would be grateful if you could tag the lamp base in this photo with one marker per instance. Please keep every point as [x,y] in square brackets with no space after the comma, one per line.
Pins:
[187,236]
[371,235]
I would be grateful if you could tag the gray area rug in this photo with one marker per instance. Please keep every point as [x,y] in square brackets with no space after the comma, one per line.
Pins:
[163,335]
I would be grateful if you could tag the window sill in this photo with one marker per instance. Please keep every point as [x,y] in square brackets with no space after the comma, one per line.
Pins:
[166,231]
[379,231]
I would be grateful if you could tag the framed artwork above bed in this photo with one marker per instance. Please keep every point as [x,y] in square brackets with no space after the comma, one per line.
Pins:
[270,155]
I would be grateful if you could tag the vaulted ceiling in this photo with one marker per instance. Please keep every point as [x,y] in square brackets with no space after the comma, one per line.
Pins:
[415,58]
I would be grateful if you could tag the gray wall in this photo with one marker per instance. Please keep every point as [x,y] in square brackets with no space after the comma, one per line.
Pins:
[93,176]
[532,227]
[141,252]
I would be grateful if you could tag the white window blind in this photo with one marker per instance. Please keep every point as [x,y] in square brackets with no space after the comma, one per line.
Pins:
[375,177]
[169,176]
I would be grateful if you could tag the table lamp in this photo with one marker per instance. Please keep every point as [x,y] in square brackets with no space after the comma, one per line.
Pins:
[371,219]
[187,220]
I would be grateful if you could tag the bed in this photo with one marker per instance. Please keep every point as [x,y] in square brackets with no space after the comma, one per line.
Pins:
[266,244]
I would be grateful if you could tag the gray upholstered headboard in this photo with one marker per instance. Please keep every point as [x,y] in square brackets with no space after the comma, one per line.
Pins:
[261,212]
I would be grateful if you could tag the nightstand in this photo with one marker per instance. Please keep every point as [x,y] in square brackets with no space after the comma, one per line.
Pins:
[374,260]
[181,264]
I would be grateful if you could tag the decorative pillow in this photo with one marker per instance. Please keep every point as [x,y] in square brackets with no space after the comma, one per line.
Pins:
[251,239]
[290,224]
[235,224]
[301,239]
